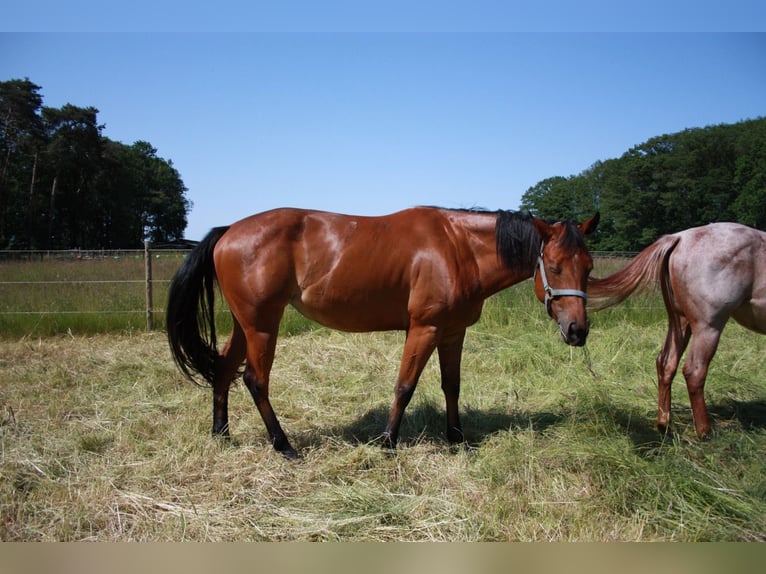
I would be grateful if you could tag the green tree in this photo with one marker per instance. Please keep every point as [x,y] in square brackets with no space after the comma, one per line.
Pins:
[73,155]
[749,207]
[63,184]
[561,198]
[162,204]
[668,183]
[21,138]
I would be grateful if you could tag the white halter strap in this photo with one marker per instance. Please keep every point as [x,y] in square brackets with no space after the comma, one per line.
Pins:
[550,293]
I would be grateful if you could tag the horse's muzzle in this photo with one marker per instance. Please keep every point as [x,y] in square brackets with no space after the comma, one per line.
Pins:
[573,333]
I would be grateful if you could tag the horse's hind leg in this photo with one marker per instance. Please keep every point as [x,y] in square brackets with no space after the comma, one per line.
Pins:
[257,381]
[667,364]
[261,345]
[703,347]
[226,369]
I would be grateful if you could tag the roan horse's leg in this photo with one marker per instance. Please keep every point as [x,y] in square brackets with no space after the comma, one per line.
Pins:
[420,344]
[703,347]
[225,370]
[667,364]
[450,353]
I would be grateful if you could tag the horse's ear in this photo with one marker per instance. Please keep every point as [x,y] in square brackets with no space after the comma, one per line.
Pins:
[589,226]
[545,230]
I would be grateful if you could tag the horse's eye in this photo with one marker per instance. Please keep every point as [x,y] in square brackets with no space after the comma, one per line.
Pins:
[556,270]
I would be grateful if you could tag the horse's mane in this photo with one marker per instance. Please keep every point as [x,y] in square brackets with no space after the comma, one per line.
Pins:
[518,242]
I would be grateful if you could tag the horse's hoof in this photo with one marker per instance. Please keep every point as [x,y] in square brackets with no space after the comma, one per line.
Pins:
[290,454]
[286,449]
[388,442]
[455,435]
[704,435]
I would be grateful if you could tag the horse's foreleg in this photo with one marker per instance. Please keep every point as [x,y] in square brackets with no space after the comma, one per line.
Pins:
[420,344]
[225,370]
[701,351]
[667,364]
[450,353]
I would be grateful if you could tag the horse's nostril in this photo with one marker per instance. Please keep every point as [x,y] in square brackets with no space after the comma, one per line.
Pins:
[576,334]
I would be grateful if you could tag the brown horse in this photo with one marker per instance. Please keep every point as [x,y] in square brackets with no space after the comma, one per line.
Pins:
[425,270]
[707,274]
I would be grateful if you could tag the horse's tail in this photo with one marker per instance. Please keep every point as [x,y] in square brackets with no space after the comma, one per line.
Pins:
[645,270]
[190,316]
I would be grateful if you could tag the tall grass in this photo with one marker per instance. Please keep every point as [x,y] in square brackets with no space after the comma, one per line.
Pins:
[82,296]
[101,439]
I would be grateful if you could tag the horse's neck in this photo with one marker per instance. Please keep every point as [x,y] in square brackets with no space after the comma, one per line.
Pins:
[493,274]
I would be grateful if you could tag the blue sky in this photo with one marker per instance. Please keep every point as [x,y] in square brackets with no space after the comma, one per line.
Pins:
[369,116]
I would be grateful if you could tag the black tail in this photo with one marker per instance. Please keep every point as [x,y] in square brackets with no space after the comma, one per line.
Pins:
[190,316]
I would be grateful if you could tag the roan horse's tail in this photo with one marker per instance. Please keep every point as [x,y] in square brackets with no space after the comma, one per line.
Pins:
[190,316]
[645,270]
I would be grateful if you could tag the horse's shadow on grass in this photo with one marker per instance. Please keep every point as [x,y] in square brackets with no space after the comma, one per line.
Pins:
[427,423]
[749,416]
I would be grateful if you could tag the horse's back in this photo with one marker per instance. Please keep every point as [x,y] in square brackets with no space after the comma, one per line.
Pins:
[718,270]
[720,251]
[346,272]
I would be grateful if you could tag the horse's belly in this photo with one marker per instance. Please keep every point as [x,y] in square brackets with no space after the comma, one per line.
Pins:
[353,316]
[752,315]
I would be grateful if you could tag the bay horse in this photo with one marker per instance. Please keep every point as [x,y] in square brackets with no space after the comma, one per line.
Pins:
[425,270]
[707,275]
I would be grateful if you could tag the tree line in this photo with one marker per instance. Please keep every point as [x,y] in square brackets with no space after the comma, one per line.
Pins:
[669,183]
[64,185]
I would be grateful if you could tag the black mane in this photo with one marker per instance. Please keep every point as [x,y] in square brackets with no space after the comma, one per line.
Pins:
[518,242]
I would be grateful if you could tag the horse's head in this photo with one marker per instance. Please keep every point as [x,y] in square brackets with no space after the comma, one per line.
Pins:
[562,273]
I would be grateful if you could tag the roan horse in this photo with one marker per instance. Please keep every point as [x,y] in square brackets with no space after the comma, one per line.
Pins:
[707,274]
[425,270]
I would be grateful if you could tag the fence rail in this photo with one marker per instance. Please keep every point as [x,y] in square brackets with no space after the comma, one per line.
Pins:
[34,258]
[66,254]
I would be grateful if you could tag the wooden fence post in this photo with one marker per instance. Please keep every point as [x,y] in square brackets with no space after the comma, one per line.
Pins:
[148,273]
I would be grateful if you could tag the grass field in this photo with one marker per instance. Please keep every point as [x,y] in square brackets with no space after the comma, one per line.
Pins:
[102,439]
[83,296]
[92,296]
